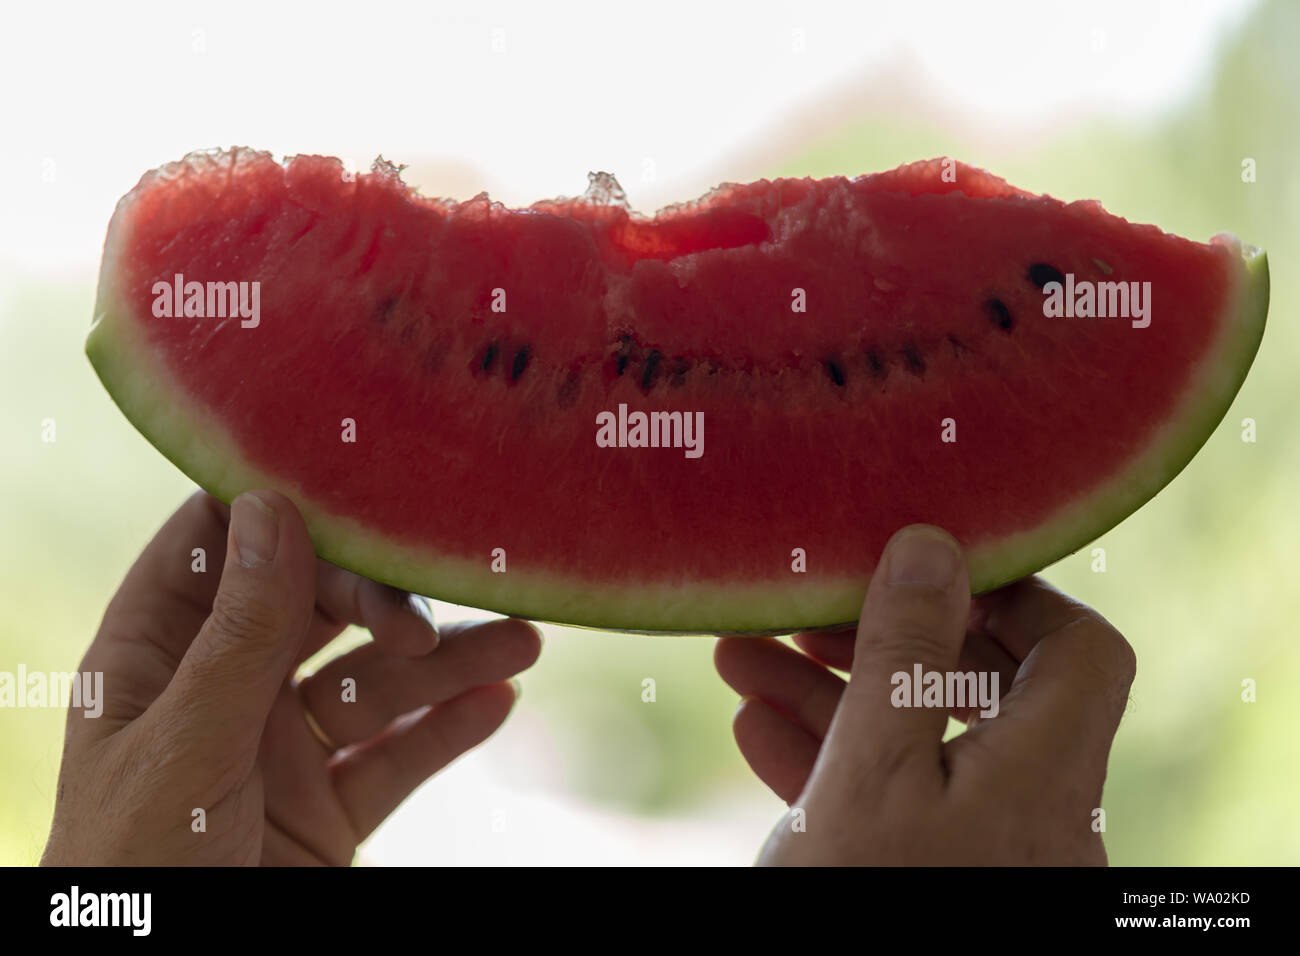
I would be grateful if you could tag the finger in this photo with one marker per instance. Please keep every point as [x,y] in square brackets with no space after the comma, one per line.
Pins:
[159,607]
[298,797]
[228,679]
[982,655]
[779,751]
[383,687]
[914,618]
[795,685]
[1012,620]
[979,653]
[1066,702]
[829,648]
[835,648]
[1020,614]
[400,622]
[373,778]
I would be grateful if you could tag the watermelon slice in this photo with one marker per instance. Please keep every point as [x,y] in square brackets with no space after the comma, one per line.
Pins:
[706,421]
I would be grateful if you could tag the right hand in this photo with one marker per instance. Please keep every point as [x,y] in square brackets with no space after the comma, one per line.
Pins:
[875,783]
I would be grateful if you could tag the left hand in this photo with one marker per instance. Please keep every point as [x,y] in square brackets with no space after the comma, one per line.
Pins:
[200,711]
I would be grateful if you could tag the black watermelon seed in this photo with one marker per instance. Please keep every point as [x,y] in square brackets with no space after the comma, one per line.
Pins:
[489,356]
[912,358]
[520,363]
[877,363]
[385,310]
[1000,314]
[627,353]
[651,369]
[835,372]
[1040,273]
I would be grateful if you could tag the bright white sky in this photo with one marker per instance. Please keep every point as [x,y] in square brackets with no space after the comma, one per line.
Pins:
[95,95]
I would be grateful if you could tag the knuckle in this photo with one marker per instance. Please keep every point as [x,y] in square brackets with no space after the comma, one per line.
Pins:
[1103,652]
[236,616]
[914,629]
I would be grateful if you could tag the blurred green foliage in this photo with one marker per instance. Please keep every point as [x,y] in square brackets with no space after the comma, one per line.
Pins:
[1201,580]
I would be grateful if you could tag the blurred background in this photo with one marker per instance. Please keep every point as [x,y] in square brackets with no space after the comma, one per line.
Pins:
[1151,108]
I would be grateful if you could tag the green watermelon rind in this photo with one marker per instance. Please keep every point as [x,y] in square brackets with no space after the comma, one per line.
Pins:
[196,441]
[1206,400]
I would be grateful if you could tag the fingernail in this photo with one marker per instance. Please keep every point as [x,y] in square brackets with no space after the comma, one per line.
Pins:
[519,688]
[922,556]
[257,530]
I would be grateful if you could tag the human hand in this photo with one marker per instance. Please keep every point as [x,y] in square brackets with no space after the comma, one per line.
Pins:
[200,712]
[875,783]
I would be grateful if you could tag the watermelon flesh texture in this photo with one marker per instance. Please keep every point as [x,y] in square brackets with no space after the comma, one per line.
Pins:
[474,347]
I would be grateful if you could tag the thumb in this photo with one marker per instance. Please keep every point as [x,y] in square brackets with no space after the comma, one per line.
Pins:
[231,673]
[913,619]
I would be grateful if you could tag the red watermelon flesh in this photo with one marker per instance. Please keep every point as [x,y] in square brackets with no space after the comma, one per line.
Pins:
[475,347]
